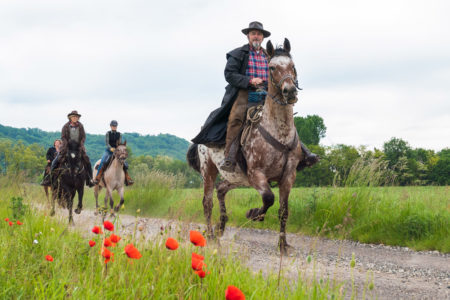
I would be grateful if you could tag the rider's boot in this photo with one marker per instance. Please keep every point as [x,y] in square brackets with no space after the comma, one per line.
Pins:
[99,176]
[309,158]
[128,180]
[235,121]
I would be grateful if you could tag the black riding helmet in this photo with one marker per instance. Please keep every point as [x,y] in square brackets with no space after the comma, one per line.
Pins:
[113,123]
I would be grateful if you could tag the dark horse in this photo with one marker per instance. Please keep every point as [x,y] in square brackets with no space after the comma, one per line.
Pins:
[67,179]
[271,150]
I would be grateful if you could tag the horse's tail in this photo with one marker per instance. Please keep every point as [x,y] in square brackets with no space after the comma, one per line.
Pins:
[192,157]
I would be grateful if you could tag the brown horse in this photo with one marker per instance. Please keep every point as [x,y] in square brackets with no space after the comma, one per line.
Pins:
[272,151]
[113,179]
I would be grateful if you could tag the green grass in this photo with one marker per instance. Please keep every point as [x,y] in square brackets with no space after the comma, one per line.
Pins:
[79,272]
[416,217]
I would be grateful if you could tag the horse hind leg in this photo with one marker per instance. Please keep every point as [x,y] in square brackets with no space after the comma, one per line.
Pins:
[209,173]
[223,188]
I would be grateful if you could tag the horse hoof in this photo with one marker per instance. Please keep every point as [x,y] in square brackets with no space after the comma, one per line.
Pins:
[255,215]
[52,213]
[78,211]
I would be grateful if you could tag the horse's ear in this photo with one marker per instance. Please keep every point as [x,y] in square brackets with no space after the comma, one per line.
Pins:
[270,49]
[125,143]
[287,45]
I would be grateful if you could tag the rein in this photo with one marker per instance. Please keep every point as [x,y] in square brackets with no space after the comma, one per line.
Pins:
[280,83]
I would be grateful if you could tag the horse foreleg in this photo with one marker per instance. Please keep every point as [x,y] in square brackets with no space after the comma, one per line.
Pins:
[54,194]
[283,212]
[122,200]
[80,200]
[70,206]
[96,190]
[259,181]
[209,174]
[223,188]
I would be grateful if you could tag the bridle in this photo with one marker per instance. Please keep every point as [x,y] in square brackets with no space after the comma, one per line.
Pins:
[279,85]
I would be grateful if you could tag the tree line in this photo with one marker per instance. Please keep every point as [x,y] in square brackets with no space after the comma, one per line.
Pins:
[397,163]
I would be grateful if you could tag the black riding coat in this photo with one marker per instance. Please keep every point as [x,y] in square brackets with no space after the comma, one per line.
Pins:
[51,153]
[215,128]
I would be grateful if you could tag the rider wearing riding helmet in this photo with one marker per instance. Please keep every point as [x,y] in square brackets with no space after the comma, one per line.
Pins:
[112,139]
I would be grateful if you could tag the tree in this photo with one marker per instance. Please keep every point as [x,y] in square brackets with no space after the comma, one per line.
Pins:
[310,129]
[395,149]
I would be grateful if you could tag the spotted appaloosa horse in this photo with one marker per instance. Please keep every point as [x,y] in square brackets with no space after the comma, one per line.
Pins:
[272,151]
[113,179]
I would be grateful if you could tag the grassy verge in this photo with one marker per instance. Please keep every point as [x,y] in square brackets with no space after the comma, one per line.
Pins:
[417,217]
[79,272]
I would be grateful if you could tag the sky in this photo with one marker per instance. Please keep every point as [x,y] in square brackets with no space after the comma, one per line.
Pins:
[372,70]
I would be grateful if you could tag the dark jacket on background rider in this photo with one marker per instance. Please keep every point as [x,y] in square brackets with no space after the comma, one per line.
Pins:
[51,154]
[214,130]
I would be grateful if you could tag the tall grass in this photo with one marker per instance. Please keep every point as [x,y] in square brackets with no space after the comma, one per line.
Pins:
[79,272]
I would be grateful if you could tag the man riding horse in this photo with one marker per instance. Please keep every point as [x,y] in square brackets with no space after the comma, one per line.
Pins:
[112,139]
[246,72]
[73,136]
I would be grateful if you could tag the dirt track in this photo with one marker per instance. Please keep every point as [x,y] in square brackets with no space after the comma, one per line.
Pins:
[398,273]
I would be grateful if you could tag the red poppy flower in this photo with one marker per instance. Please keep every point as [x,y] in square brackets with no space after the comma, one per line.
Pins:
[6,219]
[107,255]
[197,264]
[197,256]
[132,252]
[49,257]
[97,230]
[197,238]
[91,243]
[201,273]
[107,242]
[233,293]
[108,225]
[115,238]
[10,223]
[19,223]
[171,244]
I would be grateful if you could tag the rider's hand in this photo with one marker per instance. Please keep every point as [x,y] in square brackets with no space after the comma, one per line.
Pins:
[112,149]
[48,160]
[256,81]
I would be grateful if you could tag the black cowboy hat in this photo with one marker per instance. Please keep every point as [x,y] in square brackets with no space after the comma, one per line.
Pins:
[73,113]
[256,26]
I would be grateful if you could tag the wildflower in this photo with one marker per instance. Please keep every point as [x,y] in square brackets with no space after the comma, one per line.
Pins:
[108,225]
[138,210]
[201,273]
[97,230]
[91,243]
[233,293]
[197,264]
[107,255]
[197,238]
[6,219]
[35,242]
[171,244]
[197,256]
[215,252]
[107,242]
[19,223]
[11,223]
[114,239]
[132,252]
[141,227]
[49,257]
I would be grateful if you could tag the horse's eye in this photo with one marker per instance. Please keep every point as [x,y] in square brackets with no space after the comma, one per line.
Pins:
[272,68]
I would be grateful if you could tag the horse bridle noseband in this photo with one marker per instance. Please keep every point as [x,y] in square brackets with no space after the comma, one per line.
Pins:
[279,85]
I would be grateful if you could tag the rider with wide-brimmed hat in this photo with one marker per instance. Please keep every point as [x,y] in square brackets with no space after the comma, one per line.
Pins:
[247,74]
[112,139]
[73,134]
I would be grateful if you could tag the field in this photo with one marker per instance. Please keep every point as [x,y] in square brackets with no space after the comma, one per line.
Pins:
[417,217]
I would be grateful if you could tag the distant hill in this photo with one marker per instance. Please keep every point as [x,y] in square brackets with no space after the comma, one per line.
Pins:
[153,145]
